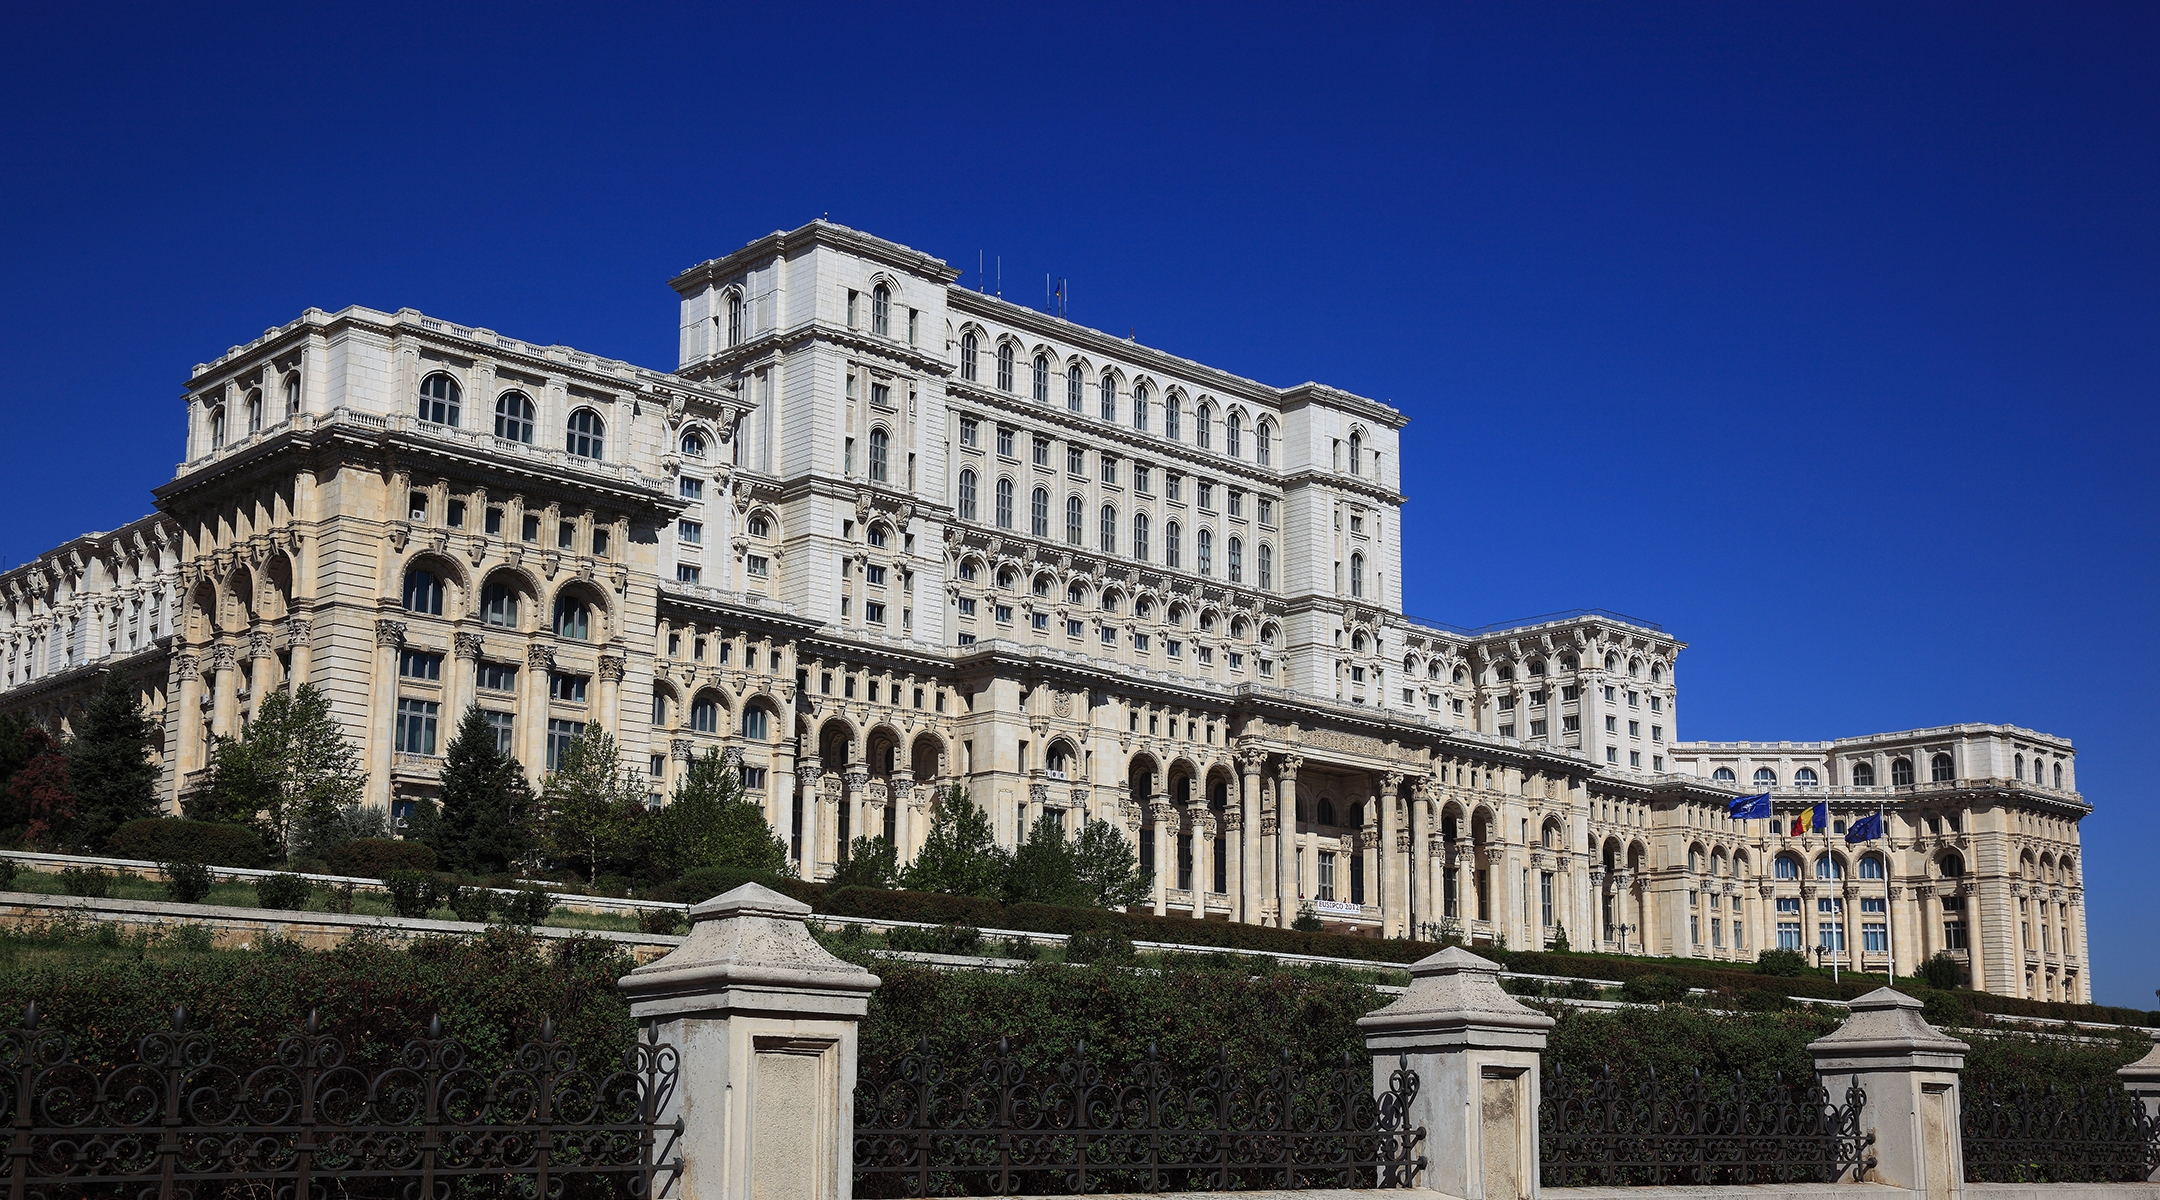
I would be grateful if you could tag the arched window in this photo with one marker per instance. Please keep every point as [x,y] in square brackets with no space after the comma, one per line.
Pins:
[217,428]
[423,592]
[877,536]
[1236,560]
[1203,418]
[1005,366]
[1004,503]
[1952,865]
[705,715]
[1170,416]
[1231,442]
[1263,438]
[1940,769]
[439,399]
[587,434]
[292,395]
[1072,388]
[1805,777]
[1072,519]
[756,723]
[1357,574]
[1267,567]
[967,495]
[2058,777]
[659,709]
[1109,396]
[734,319]
[880,455]
[1140,536]
[573,619]
[1170,544]
[2017,768]
[1204,551]
[514,417]
[760,526]
[1722,775]
[1109,529]
[1040,376]
[1863,774]
[499,605]
[1828,867]
[1357,452]
[967,356]
[693,444]
[1765,777]
[1326,811]
[1039,513]
[1787,867]
[1871,866]
[881,310]
[1901,772]
[255,411]
[1139,407]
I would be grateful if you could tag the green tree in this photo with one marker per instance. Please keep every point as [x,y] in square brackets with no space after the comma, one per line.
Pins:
[15,751]
[292,773]
[591,808]
[1107,867]
[39,790]
[487,807]
[710,823]
[1041,869]
[871,862]
[959,855]
[109,764]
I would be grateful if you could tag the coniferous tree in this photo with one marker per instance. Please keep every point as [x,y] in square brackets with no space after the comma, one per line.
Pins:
[871,862]
[1107,867]
[591,808]
[959,856]
[15,751]
[710,823]
[292,773]
[485,824]
[1041,870]
[109,765]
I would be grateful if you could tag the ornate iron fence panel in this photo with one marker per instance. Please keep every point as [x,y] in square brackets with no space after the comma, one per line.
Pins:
[2019,1136]
[178,1123]
[1600,1132]
[1001,1129]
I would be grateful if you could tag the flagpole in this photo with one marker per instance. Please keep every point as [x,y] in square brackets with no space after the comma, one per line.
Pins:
[1882,826]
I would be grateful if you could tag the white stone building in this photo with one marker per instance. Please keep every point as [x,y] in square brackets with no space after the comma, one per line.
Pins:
[877,535]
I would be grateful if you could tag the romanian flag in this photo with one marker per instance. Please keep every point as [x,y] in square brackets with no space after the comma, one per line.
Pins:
[1812,820]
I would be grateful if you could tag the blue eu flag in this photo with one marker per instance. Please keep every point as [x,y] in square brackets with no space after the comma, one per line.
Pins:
[1749,808]
[1866,829]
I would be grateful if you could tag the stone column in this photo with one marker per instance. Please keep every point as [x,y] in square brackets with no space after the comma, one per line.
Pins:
[901,788]
[533,707]
[1270,842]
[1909,1070]
[187,668]
[225,717]
[389,638]
[761,1023]
[1423,835]
[856,778]
[1250,833]
[1475,1051]
[1164,815]
[300,639]
[260,656]
[1285,836]
[807,775]
[1203,844]
[1388,888]
[2142,1080]
[464,681]
[1233,847]
[611,677]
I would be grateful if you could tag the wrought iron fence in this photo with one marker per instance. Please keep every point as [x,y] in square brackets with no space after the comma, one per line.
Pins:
[177,1122]
[1003,1129]
[1602,1132]
[2019,1136]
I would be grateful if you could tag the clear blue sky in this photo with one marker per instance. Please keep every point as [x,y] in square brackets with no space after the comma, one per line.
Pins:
[1823,335]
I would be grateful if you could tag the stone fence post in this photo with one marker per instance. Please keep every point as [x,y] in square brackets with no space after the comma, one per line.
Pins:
[1909,1070]
[763,1021]
[1475,1051]
[2142,1080]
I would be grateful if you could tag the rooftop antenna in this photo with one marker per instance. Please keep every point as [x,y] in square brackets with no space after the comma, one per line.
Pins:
[1001,276]
[978,272]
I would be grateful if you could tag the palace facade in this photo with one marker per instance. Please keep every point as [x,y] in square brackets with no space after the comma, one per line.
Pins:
[878,535]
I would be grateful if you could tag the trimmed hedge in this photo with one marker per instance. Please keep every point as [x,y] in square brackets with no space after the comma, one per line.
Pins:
[703,883]
[177,839]
[375,858]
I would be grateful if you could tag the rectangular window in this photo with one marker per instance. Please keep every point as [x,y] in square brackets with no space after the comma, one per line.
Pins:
[967,639]
[757,565]
[1537,729]
[1004,614]
[416,721]
[1039,620]
[1207,495]
[1545,897]
[1570,692]
[1173,647]
[1140,481]
[419,664]
[874,612]
[691,488]
[1717,934]
[1237,502]
[689,573]
[967,606]
[967,431]
[1173,486]
[753,778]
[1507,731]
[457,514]
[1109,636]
[1874,937]
[692,532]
[874,575]
[504,726]
[1005,441]
[1042,451]
[1075,461]
[1571,724]
[559,736]
[497,677]
[1109,468]
[565,535]
[1657,733]
[1327,875]
[565,688]
[531,530]
[1074,629]
[1634,729]
[494,522]
[881,395]
[1612,724]
[1267,511]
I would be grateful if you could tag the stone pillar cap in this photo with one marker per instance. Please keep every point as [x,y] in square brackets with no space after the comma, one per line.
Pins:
[2145,1070]
[1455,990]
[1886,1024]
[751,949]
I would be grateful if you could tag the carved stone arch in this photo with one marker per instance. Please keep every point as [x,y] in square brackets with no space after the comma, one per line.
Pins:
[926,756]
[454,574]
[602,601]
[274,586]
[839,741]
[881,749]
[521,580]
[237,599]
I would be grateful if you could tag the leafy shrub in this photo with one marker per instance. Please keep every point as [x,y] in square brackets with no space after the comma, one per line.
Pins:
[662,921]
[943,939]
[1945,1008]
[1024,949]
[90,882]
[474,904]
[1783,963]
[931,908]
[178,839]
[1653,989]
[196,939]
[1306,921]
[1763,1000]
[527,906]
[1098,945]
[1942,971]
[411,893]
[8,868]
[1516,985]
[282,891]
[372,858]
[1581,989]
[339,899]
[187,882]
